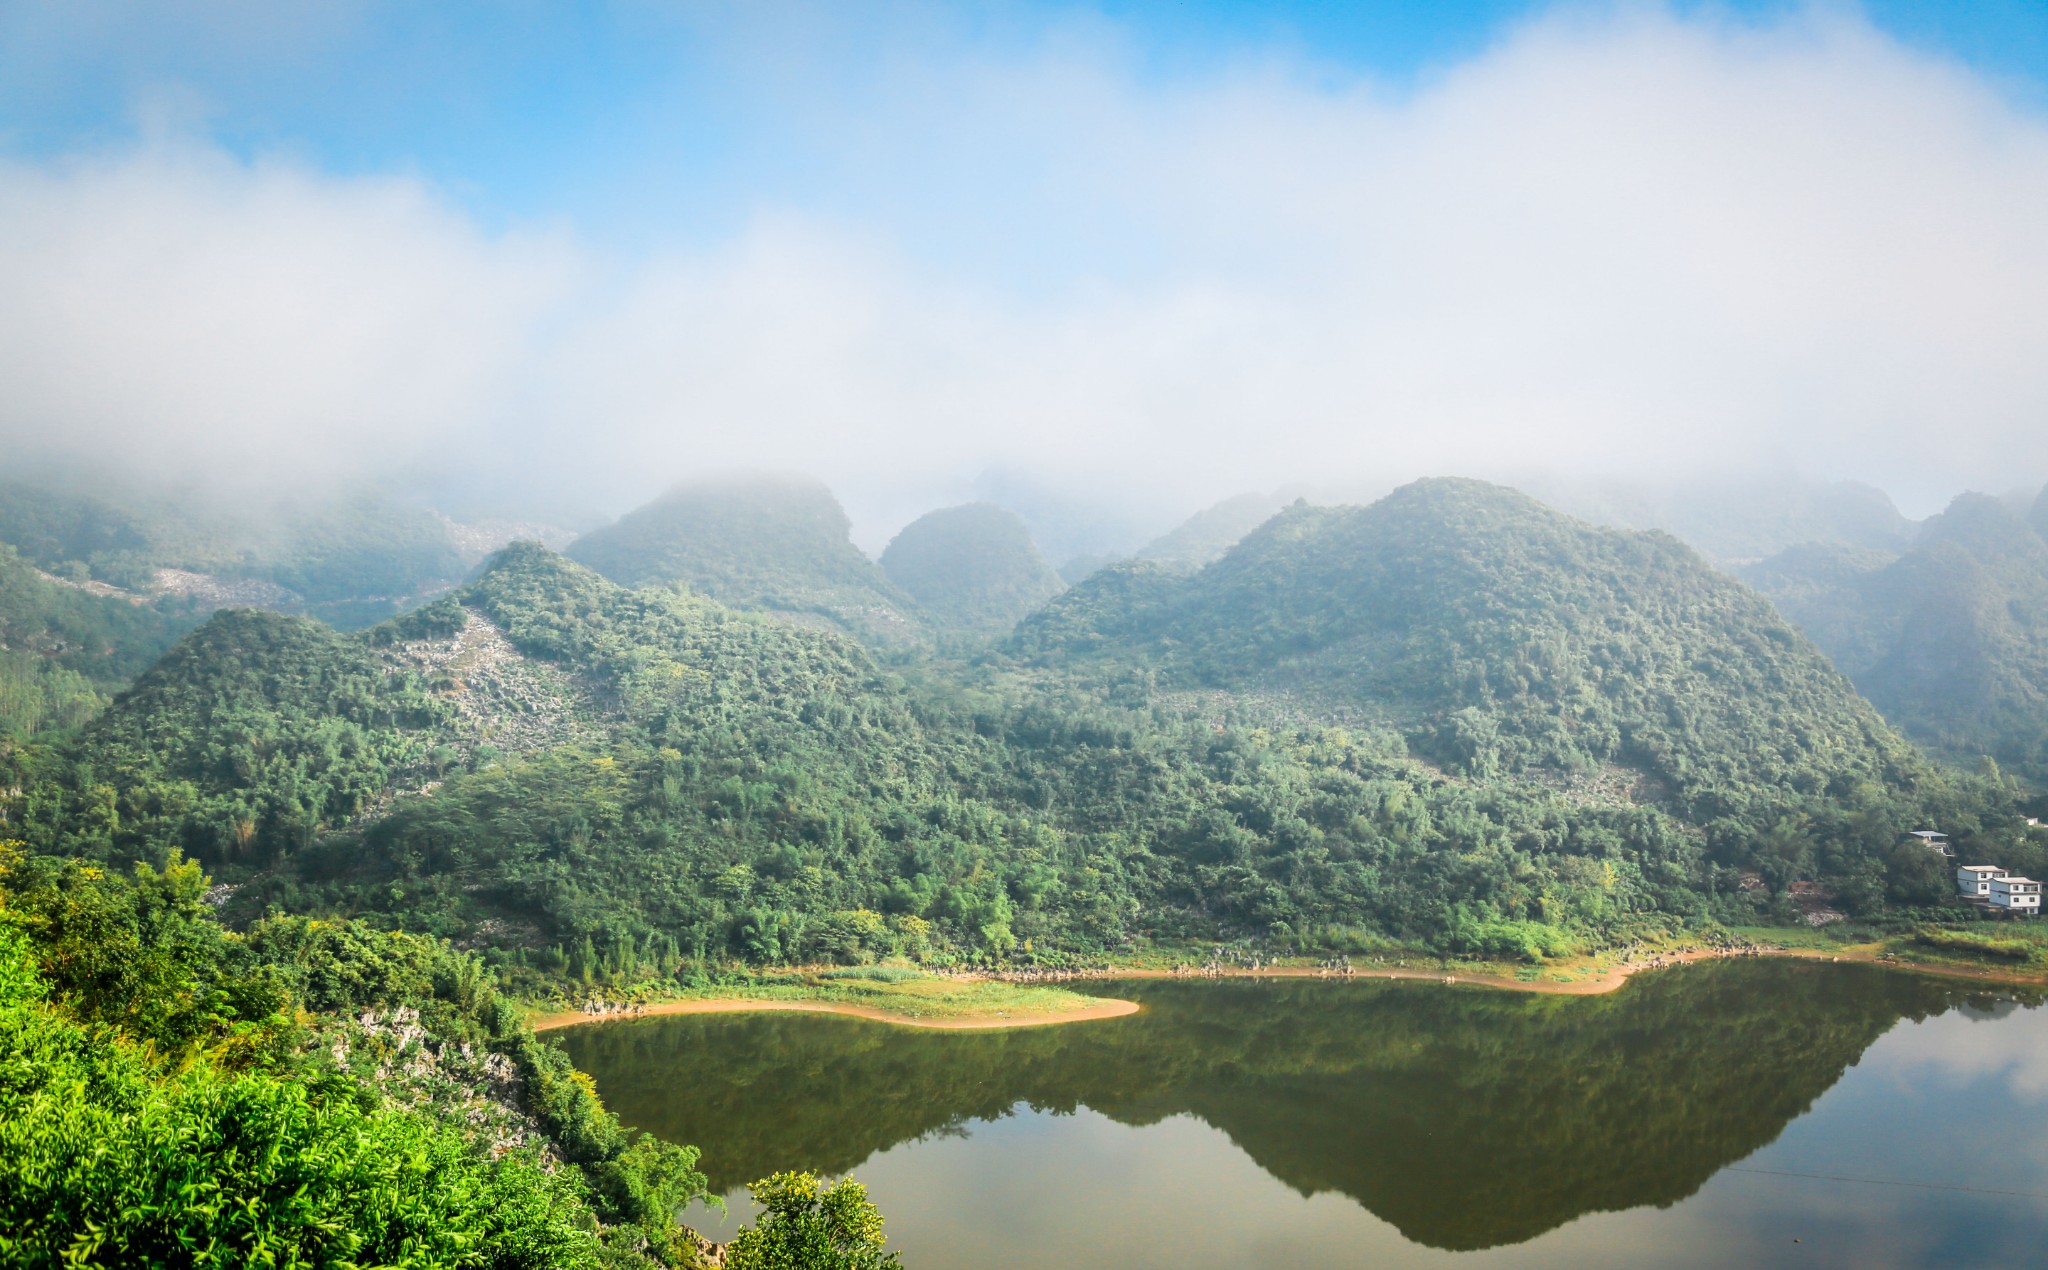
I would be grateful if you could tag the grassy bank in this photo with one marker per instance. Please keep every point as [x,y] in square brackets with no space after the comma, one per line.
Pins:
[901,994]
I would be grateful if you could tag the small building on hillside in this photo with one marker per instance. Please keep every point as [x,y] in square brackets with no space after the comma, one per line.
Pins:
[1973,881]
[2018,896]
[1935,842]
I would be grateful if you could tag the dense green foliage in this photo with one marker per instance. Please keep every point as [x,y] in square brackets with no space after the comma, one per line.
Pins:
[1500,637]
[249,737]
[172,1092]
[750,789]
[779,544]
[972,568]
[806,1226]
[63,649]
[1949,639]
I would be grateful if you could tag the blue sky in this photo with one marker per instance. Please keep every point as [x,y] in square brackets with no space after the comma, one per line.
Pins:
[1275,242]
[586,111]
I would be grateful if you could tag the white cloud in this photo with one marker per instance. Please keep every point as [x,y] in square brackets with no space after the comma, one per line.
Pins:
[1614,243]
[180,313]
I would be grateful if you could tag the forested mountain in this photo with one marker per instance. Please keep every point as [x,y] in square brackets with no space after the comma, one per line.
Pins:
[972,568]
[1950,638]
[780,544]
[586,780]
[65,647]
[1501,637]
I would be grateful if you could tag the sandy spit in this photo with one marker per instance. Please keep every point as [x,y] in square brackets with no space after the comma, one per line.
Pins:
[1104,1008]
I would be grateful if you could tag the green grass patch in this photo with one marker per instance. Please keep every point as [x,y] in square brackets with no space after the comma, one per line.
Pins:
[914,995]
[1974,944]
[880,974]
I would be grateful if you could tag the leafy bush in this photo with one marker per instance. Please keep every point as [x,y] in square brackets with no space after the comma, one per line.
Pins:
[163,1089]
[807,1226]
[104,1154]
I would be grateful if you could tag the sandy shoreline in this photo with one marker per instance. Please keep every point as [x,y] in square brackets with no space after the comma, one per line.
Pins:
[1109,1007]
[1606,981]
[1105,1008]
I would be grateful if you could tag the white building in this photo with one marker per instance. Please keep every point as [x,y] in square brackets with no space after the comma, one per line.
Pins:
[2016,895]
[1975,879]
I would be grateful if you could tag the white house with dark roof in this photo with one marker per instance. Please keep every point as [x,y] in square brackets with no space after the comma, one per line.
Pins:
[2018,896]
[1973,881]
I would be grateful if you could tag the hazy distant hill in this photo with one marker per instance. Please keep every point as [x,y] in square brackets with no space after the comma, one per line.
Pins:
[1078,529]
[1207,534]
[1949,639]
[1738,521]
[351,559]
[972,568]
[1501,636]
[780,544]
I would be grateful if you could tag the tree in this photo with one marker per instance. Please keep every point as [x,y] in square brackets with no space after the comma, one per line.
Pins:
[807,1226]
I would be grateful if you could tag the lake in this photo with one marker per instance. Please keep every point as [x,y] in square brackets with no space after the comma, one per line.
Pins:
[1753,1113]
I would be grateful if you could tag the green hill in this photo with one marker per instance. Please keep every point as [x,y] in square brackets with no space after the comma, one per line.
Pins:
[779,544]
[1949,639]
[65,648]
[972,568]
[1501,637]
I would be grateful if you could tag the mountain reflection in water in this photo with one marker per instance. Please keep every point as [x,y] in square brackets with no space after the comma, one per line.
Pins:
[1466,1118]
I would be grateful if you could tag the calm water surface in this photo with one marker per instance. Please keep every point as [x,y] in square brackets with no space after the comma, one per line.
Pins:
[1709,1116]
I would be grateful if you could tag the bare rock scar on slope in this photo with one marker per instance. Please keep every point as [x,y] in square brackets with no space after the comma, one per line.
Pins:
[503,698]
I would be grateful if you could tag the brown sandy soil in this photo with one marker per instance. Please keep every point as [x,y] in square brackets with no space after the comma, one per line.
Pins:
[1106,1008]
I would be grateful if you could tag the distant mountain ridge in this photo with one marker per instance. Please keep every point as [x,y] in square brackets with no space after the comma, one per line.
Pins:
[352,560]
[1738,521]
[1207,534]
[779,544]
[973,568]
[1949,638]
